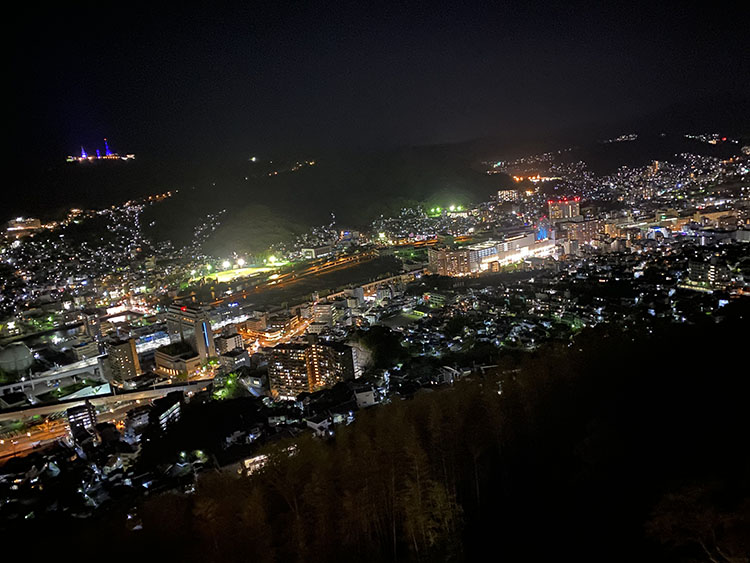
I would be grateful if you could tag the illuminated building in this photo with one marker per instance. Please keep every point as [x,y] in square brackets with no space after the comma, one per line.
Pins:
[297,368]
[317,252]
[711,274]
[283,323]
[448,262]
[328,363]
[507,195]
[123,360]
[481,254]
[92,323]
[564,208]
[287,371]
[81,420]
[520,247]
[191,325]
[166,411]
[233,359]
[323,313]
[657,232]
[177,359]
[85,350]
[488,255]
[21,226]
[582,231]
[228,342]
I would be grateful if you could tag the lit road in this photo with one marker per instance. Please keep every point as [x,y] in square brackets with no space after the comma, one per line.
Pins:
[263,340]
[51,430]
[39,435]
[194,385]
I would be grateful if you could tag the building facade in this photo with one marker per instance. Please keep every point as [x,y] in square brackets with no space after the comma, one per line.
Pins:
[564,208]
[296,368]
[123,360]
[191,325]
[81,420]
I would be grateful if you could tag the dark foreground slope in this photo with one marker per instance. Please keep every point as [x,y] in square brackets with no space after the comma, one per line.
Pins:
[625,446]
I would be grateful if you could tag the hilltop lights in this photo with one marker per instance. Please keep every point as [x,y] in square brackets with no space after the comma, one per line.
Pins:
[451,209]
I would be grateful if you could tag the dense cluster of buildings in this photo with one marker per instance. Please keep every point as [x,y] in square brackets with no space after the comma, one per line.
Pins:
[490,255]
[139,348]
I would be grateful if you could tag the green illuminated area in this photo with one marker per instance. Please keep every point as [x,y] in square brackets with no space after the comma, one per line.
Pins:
[46,322]
[231,388]
[236,273]
[438,211]
[411,254]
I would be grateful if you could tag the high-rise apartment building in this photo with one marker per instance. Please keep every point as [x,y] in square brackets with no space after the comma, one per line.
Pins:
[297,368]
[565,208]
[287,371]
[582,231]
[123,360]
[449,262]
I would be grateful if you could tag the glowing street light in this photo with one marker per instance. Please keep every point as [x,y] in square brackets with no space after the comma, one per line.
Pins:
[226,264]
[241,262]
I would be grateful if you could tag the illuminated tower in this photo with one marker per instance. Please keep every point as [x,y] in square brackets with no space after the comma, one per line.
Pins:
[107,152]
[83,153]
[98,154]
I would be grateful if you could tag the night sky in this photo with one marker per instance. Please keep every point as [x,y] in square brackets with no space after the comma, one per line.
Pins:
[312,76]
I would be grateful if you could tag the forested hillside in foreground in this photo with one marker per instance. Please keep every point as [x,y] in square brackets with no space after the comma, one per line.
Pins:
[627,445]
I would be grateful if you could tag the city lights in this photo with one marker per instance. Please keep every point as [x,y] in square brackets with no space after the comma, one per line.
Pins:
[492,263]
